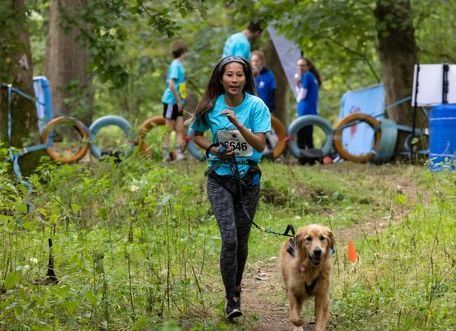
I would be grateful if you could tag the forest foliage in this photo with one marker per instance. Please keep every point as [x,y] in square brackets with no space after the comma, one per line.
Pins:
[130,43]
[135,246]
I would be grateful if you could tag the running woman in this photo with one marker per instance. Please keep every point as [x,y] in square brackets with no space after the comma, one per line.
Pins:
[238,121]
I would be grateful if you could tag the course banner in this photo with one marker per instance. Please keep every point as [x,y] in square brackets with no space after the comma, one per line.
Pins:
[289,54]
[358,139]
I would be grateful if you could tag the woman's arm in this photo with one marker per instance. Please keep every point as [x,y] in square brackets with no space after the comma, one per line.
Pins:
[201,140]
[256,140]
[172,87]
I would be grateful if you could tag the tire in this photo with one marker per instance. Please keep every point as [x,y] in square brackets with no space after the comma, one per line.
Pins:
[303,121]
[144,128]
[103,122]
[46,139]
[281,137]
[384,150]
[356,117]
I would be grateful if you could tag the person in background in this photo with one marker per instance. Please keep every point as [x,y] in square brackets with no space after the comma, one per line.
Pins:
[173,100]
[265,82]
[238,121]
[238,44]
[308,83]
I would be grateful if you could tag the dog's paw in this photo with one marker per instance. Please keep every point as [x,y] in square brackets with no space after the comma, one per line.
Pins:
[298,328]
[297,322]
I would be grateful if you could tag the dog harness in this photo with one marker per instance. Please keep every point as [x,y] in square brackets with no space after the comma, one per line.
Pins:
[311,287]
[292,247]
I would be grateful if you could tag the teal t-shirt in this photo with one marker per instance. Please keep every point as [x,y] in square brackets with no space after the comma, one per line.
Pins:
[237,45]
[252,113]
[176,71]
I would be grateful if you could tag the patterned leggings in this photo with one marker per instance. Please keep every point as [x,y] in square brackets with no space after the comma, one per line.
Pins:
[234,219]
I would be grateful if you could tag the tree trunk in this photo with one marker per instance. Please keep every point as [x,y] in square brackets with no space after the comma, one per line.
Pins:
[16,69]
[398,54]
[273,63]
[67,61]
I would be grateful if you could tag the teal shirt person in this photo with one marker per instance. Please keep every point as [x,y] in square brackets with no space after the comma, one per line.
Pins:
[252,113]
[176,71]
[237,45]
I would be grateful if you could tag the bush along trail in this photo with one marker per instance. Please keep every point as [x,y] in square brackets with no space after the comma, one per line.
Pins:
[135,246]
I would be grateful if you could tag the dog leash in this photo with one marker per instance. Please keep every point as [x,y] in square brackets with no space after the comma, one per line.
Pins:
[289,228]
[234,168]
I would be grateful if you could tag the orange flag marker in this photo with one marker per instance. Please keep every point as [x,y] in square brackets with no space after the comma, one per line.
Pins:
[351,252]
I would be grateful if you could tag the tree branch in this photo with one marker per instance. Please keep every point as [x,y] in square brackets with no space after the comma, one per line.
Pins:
[358,54]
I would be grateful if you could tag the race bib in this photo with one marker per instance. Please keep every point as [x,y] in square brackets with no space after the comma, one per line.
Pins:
[234,139]
[183,90]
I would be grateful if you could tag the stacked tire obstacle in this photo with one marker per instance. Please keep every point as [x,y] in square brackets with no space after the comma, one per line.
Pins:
[385,136]
[385,133]
[88,136]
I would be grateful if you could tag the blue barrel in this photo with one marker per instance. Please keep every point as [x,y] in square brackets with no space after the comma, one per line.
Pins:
[442,138]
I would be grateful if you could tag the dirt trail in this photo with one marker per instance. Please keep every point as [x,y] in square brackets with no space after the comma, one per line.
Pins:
[263,292]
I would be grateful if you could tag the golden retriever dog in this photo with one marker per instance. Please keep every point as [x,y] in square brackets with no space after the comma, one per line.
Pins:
[306,263]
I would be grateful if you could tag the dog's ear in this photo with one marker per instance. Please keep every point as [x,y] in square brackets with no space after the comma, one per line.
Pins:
[299,238]
[330,238]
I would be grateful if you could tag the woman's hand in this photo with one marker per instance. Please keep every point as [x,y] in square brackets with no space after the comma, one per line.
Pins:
[204,143]
[222,151]
[297,78]
[256,140]
[231,116]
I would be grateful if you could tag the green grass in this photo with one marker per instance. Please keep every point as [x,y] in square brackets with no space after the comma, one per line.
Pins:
[136,246]
[405,279]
